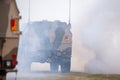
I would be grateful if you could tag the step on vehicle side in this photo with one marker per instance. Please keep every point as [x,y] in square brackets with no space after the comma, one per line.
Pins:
[9,37]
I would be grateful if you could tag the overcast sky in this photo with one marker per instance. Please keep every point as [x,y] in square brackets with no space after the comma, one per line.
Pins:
[52,9]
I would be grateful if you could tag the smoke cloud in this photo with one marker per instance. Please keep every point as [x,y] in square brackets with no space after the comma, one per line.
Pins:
[100,34]
[96,31]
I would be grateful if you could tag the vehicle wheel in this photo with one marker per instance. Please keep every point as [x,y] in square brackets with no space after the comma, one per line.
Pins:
[65,67]
[3,77]
[54,67]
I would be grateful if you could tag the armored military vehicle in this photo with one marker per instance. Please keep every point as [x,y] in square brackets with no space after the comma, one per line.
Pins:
[46,41]
[9,36]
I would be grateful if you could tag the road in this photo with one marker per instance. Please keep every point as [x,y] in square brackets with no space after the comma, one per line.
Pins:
[62,76]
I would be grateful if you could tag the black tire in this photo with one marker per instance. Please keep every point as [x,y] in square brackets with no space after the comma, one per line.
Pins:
[54,67]
[3,77]
[3,74]
[65,67]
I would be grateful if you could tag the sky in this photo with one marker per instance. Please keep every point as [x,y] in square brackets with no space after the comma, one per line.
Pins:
[95,28]
[44,9]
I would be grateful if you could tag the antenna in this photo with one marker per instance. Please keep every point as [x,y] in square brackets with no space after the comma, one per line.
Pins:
[69,13]
[29,12]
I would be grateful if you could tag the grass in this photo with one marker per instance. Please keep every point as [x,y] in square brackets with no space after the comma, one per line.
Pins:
[104,77]
[71,76]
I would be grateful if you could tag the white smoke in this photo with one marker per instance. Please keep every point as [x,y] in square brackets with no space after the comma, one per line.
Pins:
[101,34]
[96,31]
